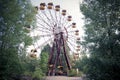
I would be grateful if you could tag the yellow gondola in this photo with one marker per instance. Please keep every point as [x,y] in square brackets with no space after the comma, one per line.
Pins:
[77,49]
[63,12]
[69,18]
[33,50]
[33,55]
[78,38]
[50,5]
[36,8]
[76,53]
[77,32]
[76,57]
[78,46]
[57,7]
[51,65]
[60,67]
[73,25]
[60,72]
[42,6]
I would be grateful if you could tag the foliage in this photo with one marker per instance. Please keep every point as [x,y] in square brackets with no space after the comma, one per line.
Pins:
[74,73]
[32,67]
[43,62]
[14,16]
[44,59]
[38,73]
[102,39]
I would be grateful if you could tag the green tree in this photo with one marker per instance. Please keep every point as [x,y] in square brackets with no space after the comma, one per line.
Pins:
[44,59]
[102,39]
[15,15]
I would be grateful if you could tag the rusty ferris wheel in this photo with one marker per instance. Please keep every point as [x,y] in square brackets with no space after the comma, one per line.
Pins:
[56,27]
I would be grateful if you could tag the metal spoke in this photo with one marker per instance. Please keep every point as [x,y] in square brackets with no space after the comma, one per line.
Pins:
[43,27]
[44,20]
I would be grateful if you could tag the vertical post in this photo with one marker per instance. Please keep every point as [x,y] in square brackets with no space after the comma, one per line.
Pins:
[50,60]
[57,56]
[66,58]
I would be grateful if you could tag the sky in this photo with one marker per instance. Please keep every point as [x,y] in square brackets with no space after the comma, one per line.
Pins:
[72,7]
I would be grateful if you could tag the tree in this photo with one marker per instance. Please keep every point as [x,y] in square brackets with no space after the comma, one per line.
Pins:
[102,39]
[14,16]
[44,59]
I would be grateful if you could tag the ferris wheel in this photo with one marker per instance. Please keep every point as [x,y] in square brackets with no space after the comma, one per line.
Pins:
[56,27]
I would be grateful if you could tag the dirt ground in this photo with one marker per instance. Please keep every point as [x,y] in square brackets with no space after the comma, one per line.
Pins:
[62,78]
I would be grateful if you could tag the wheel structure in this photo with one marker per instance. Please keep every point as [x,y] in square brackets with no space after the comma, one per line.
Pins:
[56,27]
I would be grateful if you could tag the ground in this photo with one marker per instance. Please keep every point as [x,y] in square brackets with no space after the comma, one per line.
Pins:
[62,78]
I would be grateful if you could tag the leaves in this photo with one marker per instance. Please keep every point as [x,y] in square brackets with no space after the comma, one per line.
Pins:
[12,34]
[101,17]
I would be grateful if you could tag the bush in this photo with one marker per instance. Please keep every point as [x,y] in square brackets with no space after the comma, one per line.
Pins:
[73,72]
[38,73]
